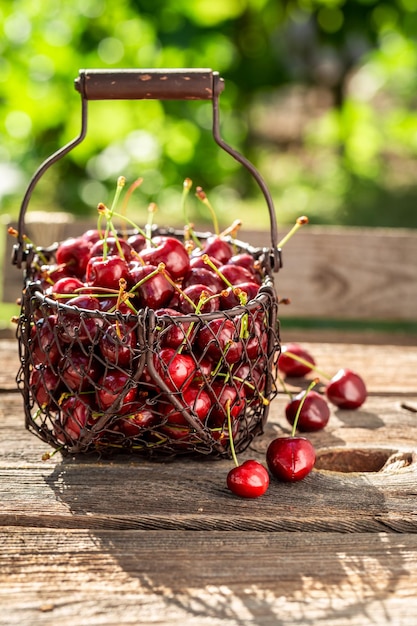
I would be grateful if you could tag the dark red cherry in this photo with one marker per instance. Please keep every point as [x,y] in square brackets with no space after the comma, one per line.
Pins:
[44,348]
[80,323]
[195,400]
[249,480]
[220,339]
[107,272]
[203,276]
[346,389]
[74,253]
[114,385]
[76,412]
[118,344]
[44,384]
[194,293]
[176,369]
[169,251]
[230,299]
[139,420]
[137,242]
[79,371]
[155,291]
[197,261]
[218,248]
[290,458]
[67,285]
[291,367]
[236,274]
[224,396]
[314,414]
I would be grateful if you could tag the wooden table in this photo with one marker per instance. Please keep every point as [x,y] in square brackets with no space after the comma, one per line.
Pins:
[128,541]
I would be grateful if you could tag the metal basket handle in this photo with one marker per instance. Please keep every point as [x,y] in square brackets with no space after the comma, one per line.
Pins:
[140,84]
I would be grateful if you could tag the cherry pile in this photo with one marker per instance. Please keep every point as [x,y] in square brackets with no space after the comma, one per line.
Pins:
[292,458]
[148,340]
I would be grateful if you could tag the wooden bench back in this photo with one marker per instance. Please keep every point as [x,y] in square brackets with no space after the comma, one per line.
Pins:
[328,272]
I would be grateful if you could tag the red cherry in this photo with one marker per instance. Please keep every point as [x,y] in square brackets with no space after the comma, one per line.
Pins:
[249,480]
[76,413]
[169,251]
[118,344]
[44,384]
[112,386]
[107,272]
[176,369]
[44,347]
[314,414]
[137,242]
[77,325]
[79,371]
[66,286]
[346,390]
[139,420]
[224,395]
[289,366]
[220,339]
[203,276]
[195,400]
[236,274]
[193,293]
[290,458]
[218,248]
[155,291]
[229,299]
[74,253]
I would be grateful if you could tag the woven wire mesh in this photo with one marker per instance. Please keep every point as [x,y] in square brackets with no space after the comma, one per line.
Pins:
[158,383]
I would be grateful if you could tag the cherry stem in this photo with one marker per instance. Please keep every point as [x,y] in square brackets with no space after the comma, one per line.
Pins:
[161,269]
[137,183]
[229,428]
[307,364]
[201,195]
[149,224]
[206,259]
[188,183]
[232,229]
[284,386]
[300,222]
[300,406]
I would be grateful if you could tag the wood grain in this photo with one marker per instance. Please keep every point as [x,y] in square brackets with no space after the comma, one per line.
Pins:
[113,542]
[241,578]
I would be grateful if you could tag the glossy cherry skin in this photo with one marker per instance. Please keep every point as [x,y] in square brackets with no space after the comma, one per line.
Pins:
[139,420]
[176,369]
[236,274]
[66,286]
[137,242]
[249,480]
[74,253]
[290,458]
[76,413]
[117,345]
[79,370]
[155,292]
[220,339]
[314,414]
[289,366]
[195,400]
[111,387]
[346,389]
[218,248]
[224,395]
[44,384]
[75,325]
[229,299]
[169,251]
[194,293]
[107,272]
[203,276]
[44,348]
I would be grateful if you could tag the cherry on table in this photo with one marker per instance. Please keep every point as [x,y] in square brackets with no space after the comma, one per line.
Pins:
[346,389]
[290,366]
[248,480]
[290,458]
[314,414]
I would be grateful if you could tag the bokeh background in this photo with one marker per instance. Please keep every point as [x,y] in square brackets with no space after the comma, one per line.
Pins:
[320,95]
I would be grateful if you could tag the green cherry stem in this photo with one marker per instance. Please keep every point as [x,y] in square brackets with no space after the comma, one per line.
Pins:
[300,222]
[201,195]
[148,228]
[300,406]
[229,428]
[187,184]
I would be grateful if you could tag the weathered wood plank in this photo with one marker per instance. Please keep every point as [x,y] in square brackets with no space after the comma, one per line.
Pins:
[209,579]
[192,494]
[329,272]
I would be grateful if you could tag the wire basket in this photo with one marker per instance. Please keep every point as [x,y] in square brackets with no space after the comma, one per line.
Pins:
[160,382]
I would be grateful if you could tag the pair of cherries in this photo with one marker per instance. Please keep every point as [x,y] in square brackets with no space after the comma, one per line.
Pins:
[292,458]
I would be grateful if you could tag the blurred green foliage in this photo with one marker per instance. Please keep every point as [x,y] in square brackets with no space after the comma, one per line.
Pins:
[320,95]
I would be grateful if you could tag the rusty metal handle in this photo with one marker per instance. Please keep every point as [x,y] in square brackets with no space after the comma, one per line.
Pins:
[140,84]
